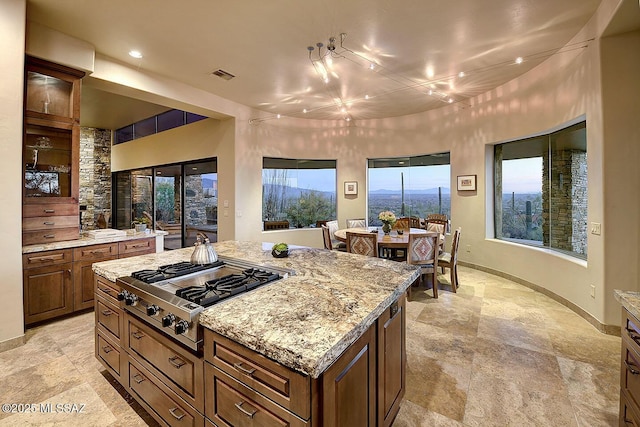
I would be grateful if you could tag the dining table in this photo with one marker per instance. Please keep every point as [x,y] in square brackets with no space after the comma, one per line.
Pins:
[393,240]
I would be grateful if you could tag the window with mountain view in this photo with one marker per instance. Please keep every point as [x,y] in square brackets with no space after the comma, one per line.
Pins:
[298,192]
[409,186]
[541,190]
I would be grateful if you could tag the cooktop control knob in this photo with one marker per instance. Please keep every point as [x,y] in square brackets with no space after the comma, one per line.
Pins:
[122,295]
[152,310]
[168,319]
[181,327]
[131,299]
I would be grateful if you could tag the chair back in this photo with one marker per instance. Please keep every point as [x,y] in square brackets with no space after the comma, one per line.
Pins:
[423,249]
[455,244]
[437,219]
[402,223]
[333,227]
[414,222]
[362,243]
[356,223]
[326,237]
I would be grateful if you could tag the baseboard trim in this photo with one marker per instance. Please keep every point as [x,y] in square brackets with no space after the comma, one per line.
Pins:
[12,343]
[605,329]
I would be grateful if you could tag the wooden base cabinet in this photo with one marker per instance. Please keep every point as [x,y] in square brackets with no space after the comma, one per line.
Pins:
[363,387]
[630,370]
[60,282]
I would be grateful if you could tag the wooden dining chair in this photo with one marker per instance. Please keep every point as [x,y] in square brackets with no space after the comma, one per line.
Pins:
[335,242]
[402,223]
[423,250]
[362,243]
[326,237]
[437,221]
[450,259]
[414,222]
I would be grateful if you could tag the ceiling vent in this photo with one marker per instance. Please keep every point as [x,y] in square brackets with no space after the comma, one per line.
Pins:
[223,74]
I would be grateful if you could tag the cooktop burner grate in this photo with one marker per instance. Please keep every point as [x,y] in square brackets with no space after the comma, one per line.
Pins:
[172,270]
[222,287]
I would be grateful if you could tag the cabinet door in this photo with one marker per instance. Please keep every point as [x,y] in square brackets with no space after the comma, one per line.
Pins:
[392,359]
[48,292]
[349,385]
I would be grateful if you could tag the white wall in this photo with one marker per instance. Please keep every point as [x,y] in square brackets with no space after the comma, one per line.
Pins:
[12,34]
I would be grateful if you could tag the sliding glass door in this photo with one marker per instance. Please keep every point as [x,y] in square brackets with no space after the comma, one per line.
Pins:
[168,201]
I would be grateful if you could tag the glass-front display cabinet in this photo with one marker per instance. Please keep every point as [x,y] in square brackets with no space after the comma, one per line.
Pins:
[51,152]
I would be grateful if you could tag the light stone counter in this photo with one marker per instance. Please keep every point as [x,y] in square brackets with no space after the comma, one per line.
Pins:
[304,321]
[86,241]
[629,300]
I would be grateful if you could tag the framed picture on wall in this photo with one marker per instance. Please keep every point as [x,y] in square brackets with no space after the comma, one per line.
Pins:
[467,182]
[350,188]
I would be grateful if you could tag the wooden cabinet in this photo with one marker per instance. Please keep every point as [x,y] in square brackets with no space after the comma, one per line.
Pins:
[83,258]
[59,282]
[48,285]
[630,370]
[364,386]
[51,152]
[391,361]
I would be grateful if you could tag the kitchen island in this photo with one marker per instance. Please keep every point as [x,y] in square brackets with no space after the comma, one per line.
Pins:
[324,346]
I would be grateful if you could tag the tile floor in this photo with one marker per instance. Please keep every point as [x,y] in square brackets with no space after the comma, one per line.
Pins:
[494,354]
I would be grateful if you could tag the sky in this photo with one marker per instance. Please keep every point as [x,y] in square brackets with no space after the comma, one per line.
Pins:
[519,176]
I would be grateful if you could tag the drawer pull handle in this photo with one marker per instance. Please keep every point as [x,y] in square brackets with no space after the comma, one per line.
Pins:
[628,421]
[47,258]
[137,246]
[177,362]
[138,378]
[249,414]
[245,371]
[631,368]
[99,251]
[175,415]
[49,236]
[107,349]
[137,335]
[49,211]
[107,312]
[48,223]
[106,291]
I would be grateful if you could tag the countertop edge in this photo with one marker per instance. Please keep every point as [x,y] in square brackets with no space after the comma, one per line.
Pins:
[85,241]
[630,300]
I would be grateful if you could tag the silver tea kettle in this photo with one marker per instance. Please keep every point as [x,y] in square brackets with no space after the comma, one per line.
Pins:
[204,253]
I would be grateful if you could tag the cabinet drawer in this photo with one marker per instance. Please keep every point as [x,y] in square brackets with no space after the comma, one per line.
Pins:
[95,252]
[231,403]
[630,372]
[42,259]
[181,370]
[50,236]
[286,387]
[628,415]
[160,401]
[50,222]
[106,289]
[51,209]
[109,317]
[108,352]
[137,247]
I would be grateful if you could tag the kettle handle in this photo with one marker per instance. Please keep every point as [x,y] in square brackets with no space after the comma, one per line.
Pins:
[201,234]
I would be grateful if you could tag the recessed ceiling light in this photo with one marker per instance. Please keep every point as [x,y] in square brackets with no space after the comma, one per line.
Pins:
[519,60]
[461,74]
[304,110]
[135,54]
[278,116]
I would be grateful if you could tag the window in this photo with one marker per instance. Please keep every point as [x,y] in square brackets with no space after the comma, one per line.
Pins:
[300,192]
[181,199]
[409,186]
[541,190]
[168,120]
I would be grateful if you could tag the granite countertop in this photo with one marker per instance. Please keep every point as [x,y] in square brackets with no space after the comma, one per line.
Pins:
[86,241]
[304,321]
[629,300]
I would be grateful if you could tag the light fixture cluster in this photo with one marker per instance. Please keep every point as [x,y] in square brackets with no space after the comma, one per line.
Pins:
[322,57]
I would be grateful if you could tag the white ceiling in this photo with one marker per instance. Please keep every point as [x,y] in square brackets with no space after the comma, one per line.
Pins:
[417,46]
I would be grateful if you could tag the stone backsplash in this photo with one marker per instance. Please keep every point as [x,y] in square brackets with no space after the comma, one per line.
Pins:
[95,175]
